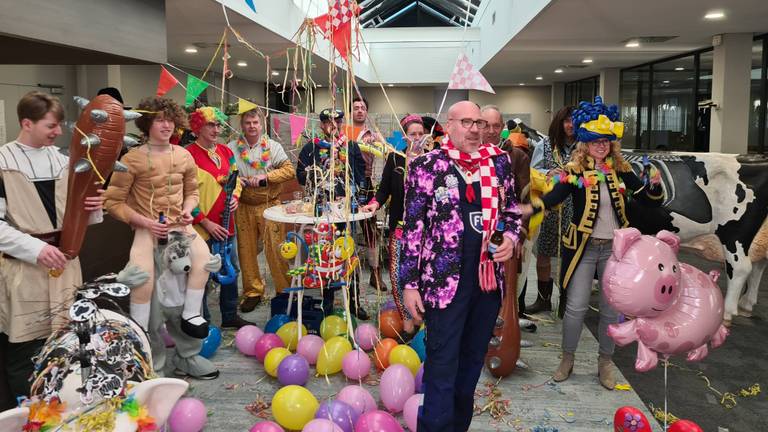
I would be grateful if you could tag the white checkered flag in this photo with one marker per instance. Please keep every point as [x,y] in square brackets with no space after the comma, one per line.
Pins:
[466,77]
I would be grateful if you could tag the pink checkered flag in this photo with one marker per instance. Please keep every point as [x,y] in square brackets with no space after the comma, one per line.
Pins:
[466,77]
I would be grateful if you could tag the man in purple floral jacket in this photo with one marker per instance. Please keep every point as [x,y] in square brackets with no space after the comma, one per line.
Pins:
[455,196]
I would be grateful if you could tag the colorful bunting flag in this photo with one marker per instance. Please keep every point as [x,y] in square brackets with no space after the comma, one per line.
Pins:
[336,25]
[166,82]
[298,124]
[276,125]
[195,86]
[466,77]
[251,5]
[245,105]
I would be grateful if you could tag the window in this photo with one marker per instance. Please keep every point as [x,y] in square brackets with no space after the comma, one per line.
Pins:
[757,96]
[582,90]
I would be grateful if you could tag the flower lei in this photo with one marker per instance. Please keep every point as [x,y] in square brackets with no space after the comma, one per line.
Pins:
[47,416]
[584,181]
[243,149]
[341,153]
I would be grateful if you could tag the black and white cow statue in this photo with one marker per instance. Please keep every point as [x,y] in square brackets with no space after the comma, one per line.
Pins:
[718,194]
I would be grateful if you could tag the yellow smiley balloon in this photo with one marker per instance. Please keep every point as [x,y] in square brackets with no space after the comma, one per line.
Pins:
[288,250]
[344,247]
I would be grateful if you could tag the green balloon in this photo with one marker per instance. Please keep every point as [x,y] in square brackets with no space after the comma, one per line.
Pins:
[505,134]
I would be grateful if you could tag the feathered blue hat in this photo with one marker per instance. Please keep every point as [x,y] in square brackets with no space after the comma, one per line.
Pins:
[593,121]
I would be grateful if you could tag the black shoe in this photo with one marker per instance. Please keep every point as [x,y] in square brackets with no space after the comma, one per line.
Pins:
[543,301]
[561,304]
[360,314]
[195,331]
[236,323]
[249,304]
[206,377]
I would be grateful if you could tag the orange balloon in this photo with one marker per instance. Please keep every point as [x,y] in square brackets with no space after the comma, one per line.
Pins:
[390,324]
[381,353]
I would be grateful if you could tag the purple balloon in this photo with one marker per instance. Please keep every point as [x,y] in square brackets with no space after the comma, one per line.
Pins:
[309,347]
[266,426]
[188,415]
[411,411]
[390,304]
[265,344]
[321,425]
[294,369]
[246,338]
[418,380]
[397,385]
[377,421]
[358,398]
[366,336]
[338,412]
[356,364]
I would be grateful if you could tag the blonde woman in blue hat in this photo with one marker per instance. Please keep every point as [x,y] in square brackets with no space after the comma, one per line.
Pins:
[600,182]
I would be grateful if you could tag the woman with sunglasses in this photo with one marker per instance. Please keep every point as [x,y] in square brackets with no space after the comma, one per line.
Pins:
[392,187]
[600,182]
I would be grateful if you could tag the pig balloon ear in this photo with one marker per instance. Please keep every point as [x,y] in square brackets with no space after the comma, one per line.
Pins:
[159,395]
[13,419]
[623,239]
[672,240]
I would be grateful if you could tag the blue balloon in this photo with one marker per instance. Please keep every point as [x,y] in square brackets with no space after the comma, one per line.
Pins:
[418,345]
[211,343]
[277,321]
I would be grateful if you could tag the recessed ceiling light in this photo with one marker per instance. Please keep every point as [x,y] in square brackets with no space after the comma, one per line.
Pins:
[319,85]
[390,85]
[242,63]
[632,44]
[522,84]
[714,15]
[679,68]
[275,73]
[558,70]
[190,50]
[587,60]
[539,78]
[666,81]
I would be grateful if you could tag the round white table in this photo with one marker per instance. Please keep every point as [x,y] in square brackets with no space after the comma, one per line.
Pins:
[277,214]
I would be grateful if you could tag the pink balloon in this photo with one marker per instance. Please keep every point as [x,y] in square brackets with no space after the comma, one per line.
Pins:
[265,344]
[356,364]
[678,308]
[321,425]
[358,398]
[396,387]
[167,339]
[266,426]
[366,336]
[411,411]
[188,415]
[246,338]
[378,421]
[309,347]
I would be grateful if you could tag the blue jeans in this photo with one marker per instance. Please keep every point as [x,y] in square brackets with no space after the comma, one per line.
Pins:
[227,293]
[457,341]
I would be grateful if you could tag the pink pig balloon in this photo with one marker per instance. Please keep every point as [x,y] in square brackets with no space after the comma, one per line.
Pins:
[678,308]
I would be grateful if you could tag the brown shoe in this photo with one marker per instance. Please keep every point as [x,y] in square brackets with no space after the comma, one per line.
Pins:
[375,281]
[605,371]
[249,304]
[566,367]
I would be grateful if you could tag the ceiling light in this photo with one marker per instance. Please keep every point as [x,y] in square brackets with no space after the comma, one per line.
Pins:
[522,84]
[632,44]
[275,73]
[679,68]
[242,63]
[587,60]
[319,85]
[714,15]
[558,70]
[539,78]
[666,81]
[390,85]
[190,50]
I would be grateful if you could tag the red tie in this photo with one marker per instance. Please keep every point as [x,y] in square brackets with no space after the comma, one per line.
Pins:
[470,168]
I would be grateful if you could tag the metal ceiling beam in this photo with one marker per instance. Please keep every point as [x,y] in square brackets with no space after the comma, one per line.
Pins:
[437,15]
[385,8]
[452,8]
[396,14]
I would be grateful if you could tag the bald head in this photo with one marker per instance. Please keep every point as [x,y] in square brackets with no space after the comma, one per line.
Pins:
[465,139]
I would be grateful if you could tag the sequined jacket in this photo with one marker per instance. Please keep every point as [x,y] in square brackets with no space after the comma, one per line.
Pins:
[433,228]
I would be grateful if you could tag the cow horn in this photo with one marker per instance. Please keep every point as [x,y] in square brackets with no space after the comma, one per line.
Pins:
[99,116]
[82,166]
[120,167]
[130,115]
[81,101]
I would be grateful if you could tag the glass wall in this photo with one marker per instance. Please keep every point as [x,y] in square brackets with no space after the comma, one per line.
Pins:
[659,103]
[582,90]
[757,96]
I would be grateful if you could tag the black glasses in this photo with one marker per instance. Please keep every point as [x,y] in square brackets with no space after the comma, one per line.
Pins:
[468,122]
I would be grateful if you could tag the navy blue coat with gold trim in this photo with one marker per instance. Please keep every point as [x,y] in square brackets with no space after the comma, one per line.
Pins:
[622,185]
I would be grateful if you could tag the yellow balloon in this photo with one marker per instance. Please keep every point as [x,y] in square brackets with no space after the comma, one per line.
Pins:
[406,356]
[293,407]
[289,335]
[273,359]
[344,247]
[288,250]
[331,326]
[331,354]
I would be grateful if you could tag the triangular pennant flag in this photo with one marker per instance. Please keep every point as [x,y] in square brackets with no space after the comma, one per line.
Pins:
[195,86]
[251,5]
[336,25]
[466,77]
[166,82]
[298,124]
[276,125]
[245,106]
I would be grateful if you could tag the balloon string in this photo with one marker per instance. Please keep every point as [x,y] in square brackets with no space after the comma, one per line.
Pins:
[666,412]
